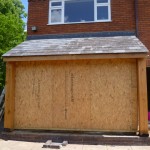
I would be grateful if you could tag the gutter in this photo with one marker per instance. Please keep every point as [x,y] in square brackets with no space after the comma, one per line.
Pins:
[136,19]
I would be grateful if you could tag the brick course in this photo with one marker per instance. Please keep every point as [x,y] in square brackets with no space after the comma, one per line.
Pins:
[144,23]
[123,19]
[77,137]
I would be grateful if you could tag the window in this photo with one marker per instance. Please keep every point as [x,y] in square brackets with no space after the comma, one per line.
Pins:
[79,11]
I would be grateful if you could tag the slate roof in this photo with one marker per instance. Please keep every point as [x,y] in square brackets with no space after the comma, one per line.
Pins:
[70,46]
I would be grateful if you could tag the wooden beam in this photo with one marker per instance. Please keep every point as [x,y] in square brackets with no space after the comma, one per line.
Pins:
[10,96]
[142,97]
[74,57]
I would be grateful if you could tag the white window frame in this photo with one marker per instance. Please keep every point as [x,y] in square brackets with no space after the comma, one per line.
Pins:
[96,5]
[56,8]
[62,7]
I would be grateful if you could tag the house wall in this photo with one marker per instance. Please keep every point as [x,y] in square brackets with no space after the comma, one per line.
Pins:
[144,23]
[123,19]
[76,95]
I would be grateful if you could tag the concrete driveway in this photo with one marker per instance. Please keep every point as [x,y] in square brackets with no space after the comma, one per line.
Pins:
[20,145]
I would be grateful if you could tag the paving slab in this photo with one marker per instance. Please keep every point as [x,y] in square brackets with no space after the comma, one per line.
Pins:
[94,147]
[73,147]
[17,145]
[119,148]
[21,145]
[140,147]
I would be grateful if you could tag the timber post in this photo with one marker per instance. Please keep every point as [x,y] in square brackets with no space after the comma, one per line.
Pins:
[10,96]
[142,97]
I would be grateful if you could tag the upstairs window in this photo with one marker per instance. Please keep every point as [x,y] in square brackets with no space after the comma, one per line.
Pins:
[79,11]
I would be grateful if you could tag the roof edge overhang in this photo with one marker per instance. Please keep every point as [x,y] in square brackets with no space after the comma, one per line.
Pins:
[75,57]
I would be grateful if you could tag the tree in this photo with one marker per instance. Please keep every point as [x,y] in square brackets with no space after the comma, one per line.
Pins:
[11,29]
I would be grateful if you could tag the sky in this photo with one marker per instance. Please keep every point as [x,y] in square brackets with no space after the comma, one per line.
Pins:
[25,3]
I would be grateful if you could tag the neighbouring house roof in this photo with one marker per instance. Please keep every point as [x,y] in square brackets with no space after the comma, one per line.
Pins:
[78,46]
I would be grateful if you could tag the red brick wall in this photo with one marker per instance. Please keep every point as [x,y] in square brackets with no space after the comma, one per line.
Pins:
[123,19]
[144,23]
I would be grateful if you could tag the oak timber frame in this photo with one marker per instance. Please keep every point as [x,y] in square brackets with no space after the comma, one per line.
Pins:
[10,96]
[142,97]
[141,80]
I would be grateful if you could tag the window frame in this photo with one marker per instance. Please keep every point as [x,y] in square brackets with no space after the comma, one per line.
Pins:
[62,7]
[56,8]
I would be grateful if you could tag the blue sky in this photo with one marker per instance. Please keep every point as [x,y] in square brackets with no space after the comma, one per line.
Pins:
[25,3]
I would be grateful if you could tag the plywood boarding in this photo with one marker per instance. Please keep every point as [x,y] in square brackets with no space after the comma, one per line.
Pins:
[77,95]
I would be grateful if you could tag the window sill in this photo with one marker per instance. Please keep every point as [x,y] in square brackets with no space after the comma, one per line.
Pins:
[69,23]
